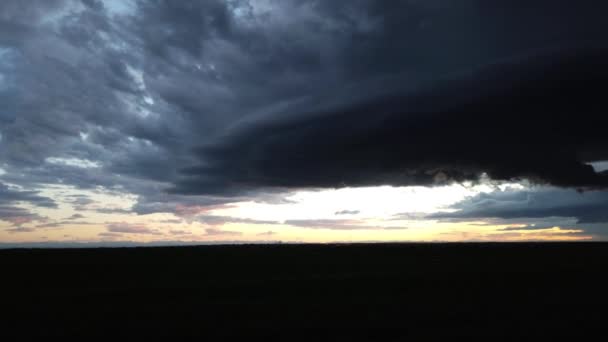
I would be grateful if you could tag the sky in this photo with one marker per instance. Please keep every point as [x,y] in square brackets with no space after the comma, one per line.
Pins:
[237,121]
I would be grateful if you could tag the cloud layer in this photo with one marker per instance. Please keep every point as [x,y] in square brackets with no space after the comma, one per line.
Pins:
[187,106]
[537,117]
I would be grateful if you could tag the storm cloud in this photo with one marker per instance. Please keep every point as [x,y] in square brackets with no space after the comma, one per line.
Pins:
[537,117]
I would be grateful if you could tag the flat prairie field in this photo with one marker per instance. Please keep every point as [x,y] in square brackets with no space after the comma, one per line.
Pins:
[371,292]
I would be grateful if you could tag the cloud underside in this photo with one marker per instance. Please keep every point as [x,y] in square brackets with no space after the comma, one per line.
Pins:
[540,118]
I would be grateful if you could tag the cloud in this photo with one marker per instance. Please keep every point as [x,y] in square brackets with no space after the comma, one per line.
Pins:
[531,227]
[130,228]
[216,220]
[204,65]
[330,224]
[228,101]
[586,207]
[181,206]
[51,225]
[10,195]
[409,216]
[172,221]
[110,235]
[180,232]
[268,233]
[219,232]
[546,132]
[61,224]
[559,235]
[113,211]
[18,216]
[347,212]
[20,230]
[80,202]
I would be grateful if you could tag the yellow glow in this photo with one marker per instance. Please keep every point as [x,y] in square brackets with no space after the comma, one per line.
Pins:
[381,214]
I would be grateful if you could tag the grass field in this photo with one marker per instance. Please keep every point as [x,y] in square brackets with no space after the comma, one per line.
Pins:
[308,292]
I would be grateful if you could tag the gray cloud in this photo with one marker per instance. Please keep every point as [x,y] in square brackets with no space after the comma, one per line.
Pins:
[113,211]
[531,227]
[17,215]
[172,221]
[219,232]
[20,230]
[535,209]
[156,200]
[80,202]
[409,216]
[180,232]
[585,207]
[130,228]
[330,224]
[347,212]
[10,195]
[60,224]
[110,235]
[215,220]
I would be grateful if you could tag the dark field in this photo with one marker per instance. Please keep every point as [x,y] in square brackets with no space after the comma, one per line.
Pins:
[309,292]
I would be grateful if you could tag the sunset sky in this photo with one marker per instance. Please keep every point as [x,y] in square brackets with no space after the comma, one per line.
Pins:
[228,121]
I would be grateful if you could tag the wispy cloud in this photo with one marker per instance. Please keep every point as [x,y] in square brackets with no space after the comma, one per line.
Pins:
[347,212]
[220,232]
[131,228]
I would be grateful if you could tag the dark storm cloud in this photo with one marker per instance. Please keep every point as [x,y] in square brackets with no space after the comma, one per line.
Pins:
[18,18]
[183,26]
[538,117]
[247,96]
[72,76]
[586,207]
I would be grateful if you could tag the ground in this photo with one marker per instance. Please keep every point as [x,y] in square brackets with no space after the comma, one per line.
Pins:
[372,292]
